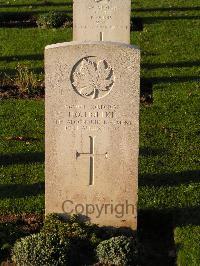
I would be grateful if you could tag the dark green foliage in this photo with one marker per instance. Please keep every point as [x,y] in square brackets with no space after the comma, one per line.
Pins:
[72,227]
[120,250]
[53,20]
[59,243]
[8,235]
[84,235]
[40,249]
[72,242]
[15,227]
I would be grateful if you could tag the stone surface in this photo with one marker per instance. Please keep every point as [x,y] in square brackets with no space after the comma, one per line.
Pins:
[102,20]
[92,131]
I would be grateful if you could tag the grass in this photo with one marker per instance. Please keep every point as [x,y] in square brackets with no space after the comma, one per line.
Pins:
[35,5]
[25,46]
[187,240]
[169,180]
[22,156]
[169,136]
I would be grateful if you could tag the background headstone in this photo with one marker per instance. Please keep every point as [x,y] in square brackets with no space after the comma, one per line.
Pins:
[101,20]
[92,131]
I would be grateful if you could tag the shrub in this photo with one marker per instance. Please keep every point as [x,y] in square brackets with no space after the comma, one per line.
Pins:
[83,235]
[73,227]
[120,250]
[9,233]
[40,249]
[53,20]
[72,242]
[59,243]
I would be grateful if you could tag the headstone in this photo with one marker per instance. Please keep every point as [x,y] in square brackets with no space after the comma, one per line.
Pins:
[102,20]
[92,131]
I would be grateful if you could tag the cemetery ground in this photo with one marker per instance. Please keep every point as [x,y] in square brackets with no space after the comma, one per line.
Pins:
[169,174]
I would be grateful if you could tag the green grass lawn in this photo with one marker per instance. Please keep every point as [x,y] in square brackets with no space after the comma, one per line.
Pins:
[35,5]
[22,156]
[187,239]
[25,46]
[169,178]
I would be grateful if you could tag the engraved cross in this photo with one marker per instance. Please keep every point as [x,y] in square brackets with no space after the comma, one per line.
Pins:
[101,36]
[92,156]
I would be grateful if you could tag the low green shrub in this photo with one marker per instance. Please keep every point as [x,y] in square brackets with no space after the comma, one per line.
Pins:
[72,242]
[40,249]
[119,250]
[59,243]
[53,20]
[73,228]
[9,233]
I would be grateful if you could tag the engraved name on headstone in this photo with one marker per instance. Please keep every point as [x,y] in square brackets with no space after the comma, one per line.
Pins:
[92,131]
[102,20]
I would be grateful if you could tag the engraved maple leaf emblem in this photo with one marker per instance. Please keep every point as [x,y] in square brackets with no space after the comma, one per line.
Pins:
[93,79]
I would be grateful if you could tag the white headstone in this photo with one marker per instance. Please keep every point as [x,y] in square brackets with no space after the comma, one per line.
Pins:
[102,20]
[92,131]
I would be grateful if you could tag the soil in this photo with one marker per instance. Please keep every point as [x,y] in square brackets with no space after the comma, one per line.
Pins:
[29,223]
[9,91]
